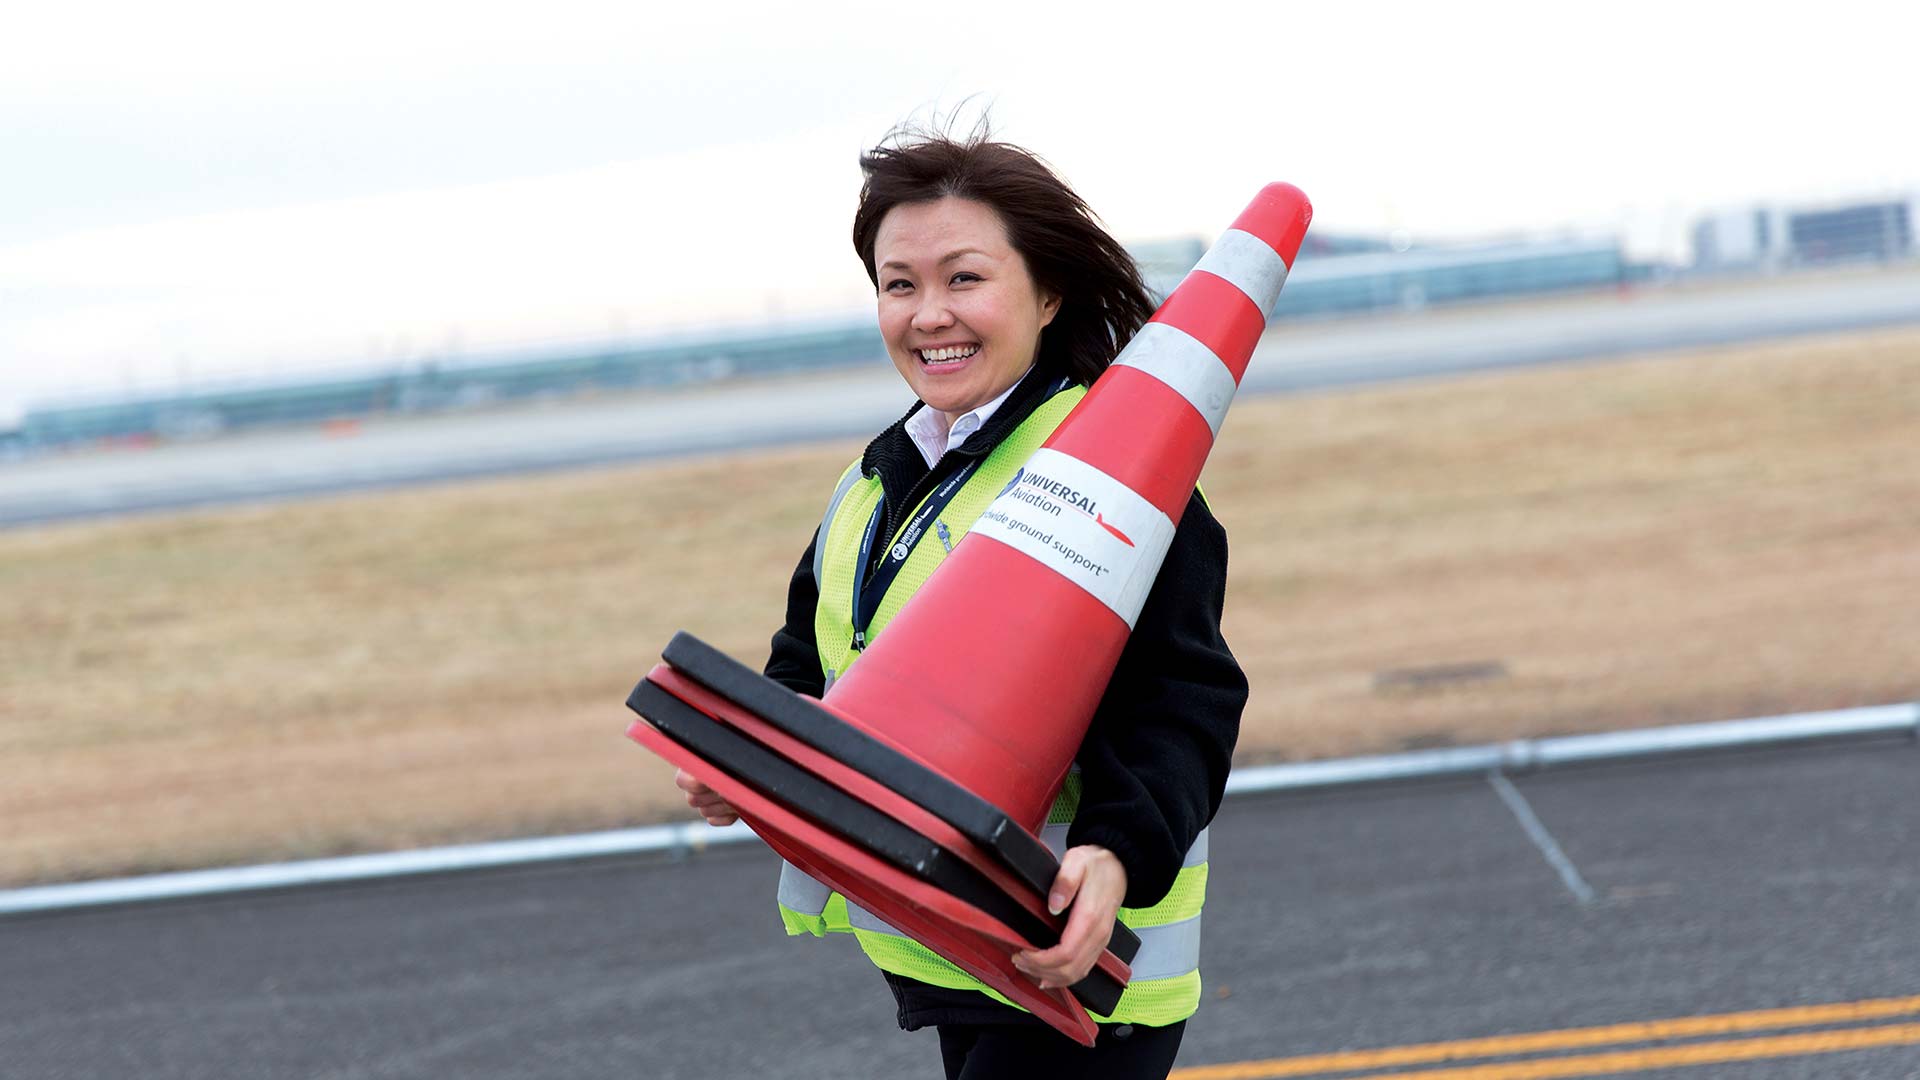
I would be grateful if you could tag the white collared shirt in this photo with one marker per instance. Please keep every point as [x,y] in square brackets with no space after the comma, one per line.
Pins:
[928,428]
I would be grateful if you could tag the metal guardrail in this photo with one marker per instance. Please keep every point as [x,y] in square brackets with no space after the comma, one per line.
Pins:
[1518,756]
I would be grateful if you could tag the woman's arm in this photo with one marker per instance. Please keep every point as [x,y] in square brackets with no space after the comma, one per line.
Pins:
[795,659]
[1155,761]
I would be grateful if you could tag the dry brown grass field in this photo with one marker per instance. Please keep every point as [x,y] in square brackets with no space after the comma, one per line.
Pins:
[1688,537]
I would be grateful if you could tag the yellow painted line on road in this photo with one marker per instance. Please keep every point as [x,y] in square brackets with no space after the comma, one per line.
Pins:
[1674,1057]
[1577,1038]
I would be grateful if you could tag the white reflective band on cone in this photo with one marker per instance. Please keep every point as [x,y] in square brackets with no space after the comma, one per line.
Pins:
[1252,266]
[1085,526]
[1184,363]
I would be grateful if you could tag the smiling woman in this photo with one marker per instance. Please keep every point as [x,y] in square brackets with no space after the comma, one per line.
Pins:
[1001,299]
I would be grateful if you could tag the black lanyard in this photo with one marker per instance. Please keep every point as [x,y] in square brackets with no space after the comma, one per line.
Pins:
[867,595]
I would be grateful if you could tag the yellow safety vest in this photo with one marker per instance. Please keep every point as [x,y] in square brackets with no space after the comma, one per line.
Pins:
[1165,987]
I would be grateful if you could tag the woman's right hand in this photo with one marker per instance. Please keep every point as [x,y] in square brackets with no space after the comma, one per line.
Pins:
[705,800]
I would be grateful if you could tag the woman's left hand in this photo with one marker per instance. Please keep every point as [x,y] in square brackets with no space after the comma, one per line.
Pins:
[1093,882]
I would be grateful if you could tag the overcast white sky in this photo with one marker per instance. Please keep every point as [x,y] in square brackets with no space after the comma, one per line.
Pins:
[199,189]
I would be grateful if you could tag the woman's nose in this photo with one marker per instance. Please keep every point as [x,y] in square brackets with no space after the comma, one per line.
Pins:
[932,314]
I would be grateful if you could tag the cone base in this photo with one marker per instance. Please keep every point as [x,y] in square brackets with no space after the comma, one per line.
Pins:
[972,940]
[988,876]
[879,834]
[843,740]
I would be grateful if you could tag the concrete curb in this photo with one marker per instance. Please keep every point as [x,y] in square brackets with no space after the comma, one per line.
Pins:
[686,836]
[1528,754]
[1521,755]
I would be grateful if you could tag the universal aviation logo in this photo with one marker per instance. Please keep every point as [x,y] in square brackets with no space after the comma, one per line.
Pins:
[1051,496]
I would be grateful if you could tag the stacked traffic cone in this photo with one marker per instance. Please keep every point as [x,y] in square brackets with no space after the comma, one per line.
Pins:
[917,788]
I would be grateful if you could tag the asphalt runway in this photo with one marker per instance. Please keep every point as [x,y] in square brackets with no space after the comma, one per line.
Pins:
[1357,924]
[1294,357]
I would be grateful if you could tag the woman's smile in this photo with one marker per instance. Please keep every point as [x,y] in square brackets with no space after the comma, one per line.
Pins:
[941,356]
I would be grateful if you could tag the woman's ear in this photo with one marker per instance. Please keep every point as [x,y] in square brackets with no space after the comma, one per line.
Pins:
[1049,307]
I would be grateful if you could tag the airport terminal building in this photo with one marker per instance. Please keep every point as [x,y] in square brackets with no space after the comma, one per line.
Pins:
[1771,238]
[1334,276]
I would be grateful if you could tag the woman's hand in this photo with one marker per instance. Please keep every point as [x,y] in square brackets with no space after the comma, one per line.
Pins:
[705,800]
[1092,880]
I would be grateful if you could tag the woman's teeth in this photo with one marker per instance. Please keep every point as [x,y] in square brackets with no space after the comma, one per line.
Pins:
[941,356]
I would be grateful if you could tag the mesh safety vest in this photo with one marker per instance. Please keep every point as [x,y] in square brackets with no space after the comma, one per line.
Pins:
[1166,972]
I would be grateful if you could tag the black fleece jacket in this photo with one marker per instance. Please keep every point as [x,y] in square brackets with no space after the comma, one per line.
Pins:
[1154,763]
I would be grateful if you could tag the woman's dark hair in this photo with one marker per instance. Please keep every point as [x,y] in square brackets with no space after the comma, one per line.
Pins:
[1102,301]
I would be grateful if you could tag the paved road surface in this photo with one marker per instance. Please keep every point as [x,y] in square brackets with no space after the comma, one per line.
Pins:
[1298,356]
[1365,919]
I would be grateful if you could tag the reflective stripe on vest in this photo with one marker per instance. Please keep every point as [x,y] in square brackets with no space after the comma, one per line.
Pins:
[1166,980]
[833,507]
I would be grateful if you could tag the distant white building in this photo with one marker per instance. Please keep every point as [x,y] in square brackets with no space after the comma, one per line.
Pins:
[1738,238]
[1772,237]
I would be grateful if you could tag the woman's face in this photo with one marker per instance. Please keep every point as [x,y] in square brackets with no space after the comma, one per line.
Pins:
[960,314]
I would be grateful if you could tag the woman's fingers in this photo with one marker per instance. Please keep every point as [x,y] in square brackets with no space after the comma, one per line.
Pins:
[1093,882]
[714,809]
[705,800]
[1066,883]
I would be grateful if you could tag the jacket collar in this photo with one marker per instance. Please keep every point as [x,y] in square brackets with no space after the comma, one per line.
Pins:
[892,455]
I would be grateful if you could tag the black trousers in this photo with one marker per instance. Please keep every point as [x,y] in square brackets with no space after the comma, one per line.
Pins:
[1011,1051]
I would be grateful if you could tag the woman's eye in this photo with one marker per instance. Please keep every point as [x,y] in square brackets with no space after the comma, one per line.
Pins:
[897,284]
[964,277]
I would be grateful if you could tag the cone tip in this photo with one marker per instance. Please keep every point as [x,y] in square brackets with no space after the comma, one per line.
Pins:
[1279,215]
